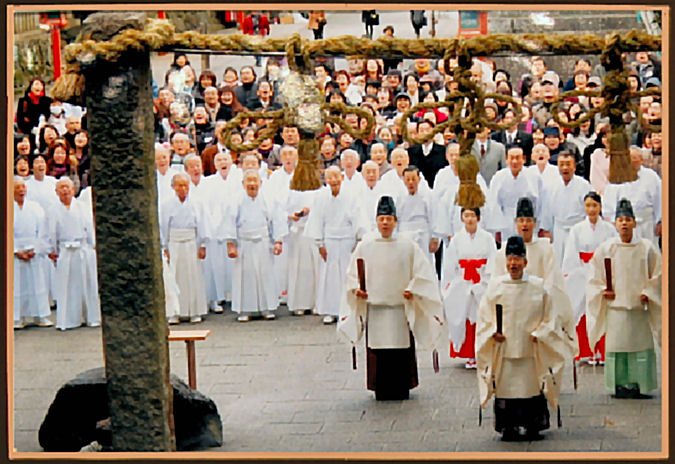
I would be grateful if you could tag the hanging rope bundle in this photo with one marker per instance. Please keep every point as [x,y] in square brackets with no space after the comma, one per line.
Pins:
[466,106]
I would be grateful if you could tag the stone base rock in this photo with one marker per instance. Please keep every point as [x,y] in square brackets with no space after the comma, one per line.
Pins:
[78,414]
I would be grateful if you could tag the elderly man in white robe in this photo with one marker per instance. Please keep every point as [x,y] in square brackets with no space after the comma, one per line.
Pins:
[465,278]
[374,189]
[31,298]
[541,167]
[392,180]
[349,162]
[335,223]
[75,279]
[184,231]
[506,187]
[398,304]
[42,189]
[644,195]
[520,349]
[220,189]
[565,202]
[253,228]
[628,311]
[276,191]
[416,213]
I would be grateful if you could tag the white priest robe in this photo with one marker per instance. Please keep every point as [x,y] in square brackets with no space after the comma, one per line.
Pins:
[75,279]
[502,199]
[303,256]
[465,278]
[391,266]
[217,266]
[31,295]
[335,222]
[44,193]
[276,191]
[354,184]
[542,262]
[636,270]
[184,229]
[565,208]
[415,214]
[518,367]
[645,197]
[255,224]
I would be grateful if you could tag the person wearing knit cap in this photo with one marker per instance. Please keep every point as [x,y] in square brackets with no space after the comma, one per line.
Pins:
[625,304]
[397,303]
[520,348]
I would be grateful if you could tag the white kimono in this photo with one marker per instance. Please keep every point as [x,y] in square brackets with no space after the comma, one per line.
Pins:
[276,191]
[645,197]
[217,266]
[302,254]
[354,184]
[465,278]
[582,242]
[503,195]
[415,214]
[565,208]
[75,279]
[368,199]
[392,182]
[255,224]
[184,229]
[31,294]
[335,222]
[44,193]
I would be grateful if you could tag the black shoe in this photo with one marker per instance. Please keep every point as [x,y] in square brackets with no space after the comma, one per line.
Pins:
[510,434]
[622,392]
[533,435]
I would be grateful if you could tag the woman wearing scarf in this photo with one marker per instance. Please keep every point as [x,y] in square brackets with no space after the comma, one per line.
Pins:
[33,104]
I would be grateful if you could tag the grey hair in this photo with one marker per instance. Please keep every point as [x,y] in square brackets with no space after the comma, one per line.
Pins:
[332,169]
[349,151]
[179,174]
[452,144]
[66,179]
[399,150]
[191,157]
[370,163]
[250,171]
[541,145]
[18,179]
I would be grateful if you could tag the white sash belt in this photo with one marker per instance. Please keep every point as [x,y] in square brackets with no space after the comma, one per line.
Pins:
[182,235]
[417,224]
[644,214]
[339,232]
[254,235]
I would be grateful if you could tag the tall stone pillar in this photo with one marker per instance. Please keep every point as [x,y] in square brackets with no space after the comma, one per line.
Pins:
[118,98]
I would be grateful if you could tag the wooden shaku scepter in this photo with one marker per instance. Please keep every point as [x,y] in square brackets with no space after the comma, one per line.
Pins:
[361,271]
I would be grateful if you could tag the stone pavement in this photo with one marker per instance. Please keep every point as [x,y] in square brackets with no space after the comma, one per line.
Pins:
[288,385]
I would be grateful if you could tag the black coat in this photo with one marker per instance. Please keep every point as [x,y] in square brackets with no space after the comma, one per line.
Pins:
[428,165]
[28,113]
[523,140]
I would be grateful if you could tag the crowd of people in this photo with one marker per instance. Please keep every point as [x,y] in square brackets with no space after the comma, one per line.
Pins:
[233,232]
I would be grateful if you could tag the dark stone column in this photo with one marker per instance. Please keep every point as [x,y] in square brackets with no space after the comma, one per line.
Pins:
[120,122]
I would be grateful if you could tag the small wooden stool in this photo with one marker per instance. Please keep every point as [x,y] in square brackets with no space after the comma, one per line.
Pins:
[189,337]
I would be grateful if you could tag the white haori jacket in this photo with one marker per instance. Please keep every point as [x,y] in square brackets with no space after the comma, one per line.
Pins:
[392,182]
[583,240]
[75,279]
[303,256]
[276,192]
[184,228]
[645,197]
[542,262]
[391,266]
[31,294]
[335,222]
[368,199]
[564,207]
[518,367]
[354,184]
[254,225]
[502,199]
[636,270]
[465,278]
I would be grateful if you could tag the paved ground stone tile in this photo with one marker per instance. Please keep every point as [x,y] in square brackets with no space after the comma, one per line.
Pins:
[288,385]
